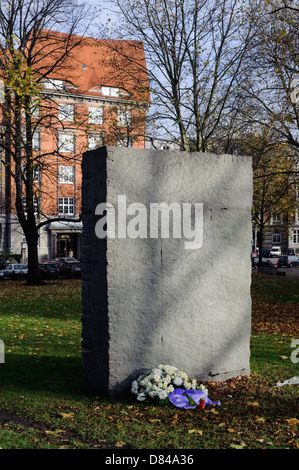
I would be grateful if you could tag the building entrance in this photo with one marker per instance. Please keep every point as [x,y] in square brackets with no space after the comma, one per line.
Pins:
[67,245]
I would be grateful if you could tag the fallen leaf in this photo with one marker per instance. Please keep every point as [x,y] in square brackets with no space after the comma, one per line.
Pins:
[120,444]
[237,446]
[212,411]
[67,415]
[292,421]
[253,403]
[56,431]
[230,430]
[283,357]
[259,419]
[195,431]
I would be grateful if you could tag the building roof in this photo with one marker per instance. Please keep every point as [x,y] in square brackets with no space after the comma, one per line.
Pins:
[93,63]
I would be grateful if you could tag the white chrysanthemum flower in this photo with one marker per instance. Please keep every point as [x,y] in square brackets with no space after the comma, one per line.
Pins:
[178,381]
[187,385]
[182,374]
[161,381]
[194,384]
[163,394]
[141,397]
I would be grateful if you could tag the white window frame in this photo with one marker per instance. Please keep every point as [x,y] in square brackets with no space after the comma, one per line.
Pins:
[66,206]
[276,218]
[35,204]
[66,174]
[296,236]
[95,115]
[54,84]
[276,237]
[94,141]
[66,112]
[36,140]
[125,141]
[37,173]
[112,91]
[124,117]
[66,142]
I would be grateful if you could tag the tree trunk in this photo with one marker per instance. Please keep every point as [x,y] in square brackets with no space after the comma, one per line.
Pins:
[33,276]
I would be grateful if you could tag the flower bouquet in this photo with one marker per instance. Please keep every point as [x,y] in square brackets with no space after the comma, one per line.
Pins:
[160,382]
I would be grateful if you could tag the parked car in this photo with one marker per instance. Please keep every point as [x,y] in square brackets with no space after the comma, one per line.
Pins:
[291,251]
[15,271]
[266,253]
[69,269]
[288,261]
[49,270]
[275,252]
[265,262]
[59,261]
[1,276]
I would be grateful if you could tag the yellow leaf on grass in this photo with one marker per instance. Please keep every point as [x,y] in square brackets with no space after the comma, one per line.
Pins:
[283,357]
[67,415]
[230,430]
[120,444]
[212,410]
[259,420]
[253,403]
[56,431]
[195,431]
[292,421]
[238,446]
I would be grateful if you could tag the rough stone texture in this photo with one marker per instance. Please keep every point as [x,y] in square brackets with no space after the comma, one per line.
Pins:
[151,301]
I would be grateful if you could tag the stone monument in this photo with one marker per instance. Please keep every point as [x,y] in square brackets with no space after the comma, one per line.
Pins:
[167,279]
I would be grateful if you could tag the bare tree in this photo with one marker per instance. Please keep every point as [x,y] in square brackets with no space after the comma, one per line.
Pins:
[271,68]
[27,36]
[194,51]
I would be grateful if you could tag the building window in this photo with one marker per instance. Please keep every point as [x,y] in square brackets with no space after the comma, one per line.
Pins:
[94,141]
[36,141]
[53,84]
[35,204]
[125,142]
[276,219]
[123,118]
[66,112]
[95,115]
[36,173]
[66,174]
[296,236]
[66,206]
[66,142]
[276,237]
[112,91]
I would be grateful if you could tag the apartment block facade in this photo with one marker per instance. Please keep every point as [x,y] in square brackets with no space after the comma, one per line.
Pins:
[87,102]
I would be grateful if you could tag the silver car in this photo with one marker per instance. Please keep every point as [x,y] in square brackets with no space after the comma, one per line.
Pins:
[15,271]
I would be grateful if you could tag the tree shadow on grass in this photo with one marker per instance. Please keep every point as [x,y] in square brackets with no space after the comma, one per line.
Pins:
[53,374]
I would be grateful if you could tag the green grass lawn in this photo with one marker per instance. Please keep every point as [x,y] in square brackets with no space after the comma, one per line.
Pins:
[43,404]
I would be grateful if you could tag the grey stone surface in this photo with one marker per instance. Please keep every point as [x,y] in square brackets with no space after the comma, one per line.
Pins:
[151,301]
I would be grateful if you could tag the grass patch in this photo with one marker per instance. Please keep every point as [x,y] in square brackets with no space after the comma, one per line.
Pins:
[43,404]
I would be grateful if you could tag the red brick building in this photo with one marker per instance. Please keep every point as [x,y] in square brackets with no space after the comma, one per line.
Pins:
[97,96]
